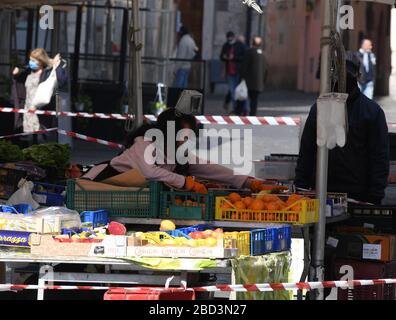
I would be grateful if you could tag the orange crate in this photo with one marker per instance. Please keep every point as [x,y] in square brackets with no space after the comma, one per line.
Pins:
[307,214]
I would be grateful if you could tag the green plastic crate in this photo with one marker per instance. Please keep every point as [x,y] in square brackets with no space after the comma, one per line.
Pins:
[204,210]
[132,204]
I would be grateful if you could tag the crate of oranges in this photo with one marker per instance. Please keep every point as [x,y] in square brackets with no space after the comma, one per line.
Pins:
[263,207]
[189,205]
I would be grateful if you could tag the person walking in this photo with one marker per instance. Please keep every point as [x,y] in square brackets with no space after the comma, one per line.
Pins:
[186,50]
[368,68]
[232,55]
[38,70]
[254,71]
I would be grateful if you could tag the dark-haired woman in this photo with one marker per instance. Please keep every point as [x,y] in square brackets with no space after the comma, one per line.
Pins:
[131,169]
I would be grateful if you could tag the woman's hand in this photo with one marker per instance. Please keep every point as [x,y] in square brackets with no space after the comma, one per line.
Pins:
[15,71]
[56,61]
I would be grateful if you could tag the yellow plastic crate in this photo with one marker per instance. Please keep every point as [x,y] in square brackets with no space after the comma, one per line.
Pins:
[307,214]
[242,241]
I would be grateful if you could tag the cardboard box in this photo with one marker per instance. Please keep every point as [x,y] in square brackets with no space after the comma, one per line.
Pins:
[366,247]
[181,252]
[47,246]
[142,249]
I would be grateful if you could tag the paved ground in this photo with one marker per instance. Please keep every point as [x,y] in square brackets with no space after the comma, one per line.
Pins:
[265,139]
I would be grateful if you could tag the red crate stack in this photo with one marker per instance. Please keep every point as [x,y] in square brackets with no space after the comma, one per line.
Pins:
[366,270]
[150,293]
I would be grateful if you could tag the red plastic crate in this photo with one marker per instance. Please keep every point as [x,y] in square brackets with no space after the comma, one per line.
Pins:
[150,293]
[366,270]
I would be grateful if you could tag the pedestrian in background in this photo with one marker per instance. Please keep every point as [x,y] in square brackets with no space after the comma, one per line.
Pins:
[232,54]
[368,68]
[254,71]
[38,70]
[227,100]
[186,50]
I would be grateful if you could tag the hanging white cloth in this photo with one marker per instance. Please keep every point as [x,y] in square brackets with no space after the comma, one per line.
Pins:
[332,120]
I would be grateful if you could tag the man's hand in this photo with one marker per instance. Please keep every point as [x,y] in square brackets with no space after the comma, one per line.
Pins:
[15,71]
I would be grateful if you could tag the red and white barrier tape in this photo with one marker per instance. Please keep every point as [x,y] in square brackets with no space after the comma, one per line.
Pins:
[70,134]
[222,120]
[265,287]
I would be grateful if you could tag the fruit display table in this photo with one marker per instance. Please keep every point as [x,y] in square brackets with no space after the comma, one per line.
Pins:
[138,274]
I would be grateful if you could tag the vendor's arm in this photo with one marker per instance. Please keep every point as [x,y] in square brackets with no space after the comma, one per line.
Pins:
[379,158]
[215,172]
[307,157]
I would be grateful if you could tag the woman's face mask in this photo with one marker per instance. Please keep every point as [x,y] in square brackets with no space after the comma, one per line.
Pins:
[34,65]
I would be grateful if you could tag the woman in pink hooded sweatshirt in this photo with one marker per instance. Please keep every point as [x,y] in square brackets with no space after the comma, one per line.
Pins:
[132,168]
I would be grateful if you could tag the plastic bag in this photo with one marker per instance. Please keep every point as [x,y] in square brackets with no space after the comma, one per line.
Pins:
[69,219]
[45,90]
[23,194]
[241,91]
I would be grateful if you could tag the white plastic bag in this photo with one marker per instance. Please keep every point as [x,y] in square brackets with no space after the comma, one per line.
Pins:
[45,91]
[23,195]
[241,91]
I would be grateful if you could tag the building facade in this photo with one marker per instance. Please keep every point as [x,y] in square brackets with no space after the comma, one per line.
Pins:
[292,32]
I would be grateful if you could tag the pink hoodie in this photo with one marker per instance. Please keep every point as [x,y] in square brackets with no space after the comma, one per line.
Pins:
[133,158]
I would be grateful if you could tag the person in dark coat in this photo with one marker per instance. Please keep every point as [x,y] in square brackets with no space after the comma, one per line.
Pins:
[361,167]
[254,71]
[232,55]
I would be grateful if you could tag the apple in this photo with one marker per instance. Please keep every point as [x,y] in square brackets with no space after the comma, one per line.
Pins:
[207,233]
[196,235]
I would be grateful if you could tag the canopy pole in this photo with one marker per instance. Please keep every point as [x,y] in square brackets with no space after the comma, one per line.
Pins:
[317,268]
[135,69]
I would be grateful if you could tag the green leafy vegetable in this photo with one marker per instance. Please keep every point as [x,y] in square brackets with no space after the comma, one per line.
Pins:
[9,152]
[49,154]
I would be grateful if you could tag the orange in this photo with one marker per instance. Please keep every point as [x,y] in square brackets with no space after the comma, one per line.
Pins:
[293,199]
[247,201]
[257,204]
[226,206]
[239,205]
[296,207]
[188,203]
[273,206]
[269,198]
[234,197]
[178,202]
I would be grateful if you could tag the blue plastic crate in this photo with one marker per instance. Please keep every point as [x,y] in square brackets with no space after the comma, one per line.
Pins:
[184,232]
[262,241]
[283,238]
[271,239]
[17,209]
[51,196]
[96,218]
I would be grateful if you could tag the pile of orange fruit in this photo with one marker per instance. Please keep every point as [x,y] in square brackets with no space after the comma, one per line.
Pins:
[188,203]
[263,202]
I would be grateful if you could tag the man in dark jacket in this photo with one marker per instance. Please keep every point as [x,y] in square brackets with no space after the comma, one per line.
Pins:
[232,54]
[254,71]
[361,167]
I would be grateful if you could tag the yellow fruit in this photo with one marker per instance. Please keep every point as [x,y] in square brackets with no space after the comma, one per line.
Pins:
[211,242]
[167,225]
[168,242]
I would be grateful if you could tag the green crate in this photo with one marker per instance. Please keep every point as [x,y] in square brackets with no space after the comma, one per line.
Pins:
[204,210]
[131,204]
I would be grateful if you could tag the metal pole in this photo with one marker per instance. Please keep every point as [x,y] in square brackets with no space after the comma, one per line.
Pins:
[322,160]
[135,74]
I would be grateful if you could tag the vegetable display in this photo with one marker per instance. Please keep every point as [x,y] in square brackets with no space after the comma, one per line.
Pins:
[50,154]
[10,152]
